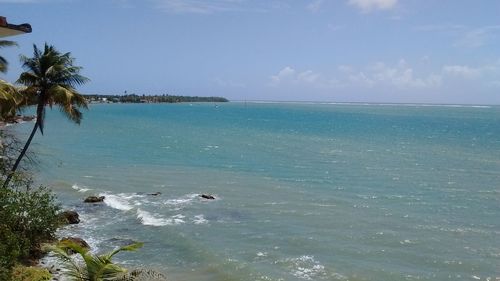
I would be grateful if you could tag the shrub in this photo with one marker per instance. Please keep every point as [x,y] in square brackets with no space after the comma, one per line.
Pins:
[24,273]
[31,215]
[28,217]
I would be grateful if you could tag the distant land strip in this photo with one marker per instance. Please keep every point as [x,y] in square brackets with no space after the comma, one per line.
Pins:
[133,98]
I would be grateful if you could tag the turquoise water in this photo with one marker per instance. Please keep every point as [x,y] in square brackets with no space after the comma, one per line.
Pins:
[304,191]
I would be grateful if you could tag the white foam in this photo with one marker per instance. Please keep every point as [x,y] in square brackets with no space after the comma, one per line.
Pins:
[177,219]
[184,200]
[80,189]
[306,267]
[147,218]
[199,219]
[117,202]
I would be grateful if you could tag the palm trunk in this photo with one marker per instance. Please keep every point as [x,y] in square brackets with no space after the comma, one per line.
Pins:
[25,148]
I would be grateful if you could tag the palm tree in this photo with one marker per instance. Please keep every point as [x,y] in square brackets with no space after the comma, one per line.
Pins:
[94,267]
[50,79]
[98,267]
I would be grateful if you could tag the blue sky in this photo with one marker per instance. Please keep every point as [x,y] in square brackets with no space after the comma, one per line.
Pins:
[441,51]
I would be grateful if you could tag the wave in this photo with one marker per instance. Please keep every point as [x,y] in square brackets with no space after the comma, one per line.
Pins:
[80,189]
[182,201]
[305,267]
[117,202]
[147,218]
[199,219]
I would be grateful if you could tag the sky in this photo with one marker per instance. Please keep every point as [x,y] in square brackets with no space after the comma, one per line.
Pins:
[398,51]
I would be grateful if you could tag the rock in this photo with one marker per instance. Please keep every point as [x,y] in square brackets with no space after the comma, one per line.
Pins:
[155,193]
[207,196]
[28,118]
[71,217]
[78,241]
[94,199]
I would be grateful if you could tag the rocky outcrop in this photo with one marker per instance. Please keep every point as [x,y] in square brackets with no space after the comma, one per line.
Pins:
[76,240]
[207,196]
[70,217]
[94,199]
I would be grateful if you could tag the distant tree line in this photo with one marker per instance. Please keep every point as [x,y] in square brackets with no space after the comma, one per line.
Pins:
[133,98]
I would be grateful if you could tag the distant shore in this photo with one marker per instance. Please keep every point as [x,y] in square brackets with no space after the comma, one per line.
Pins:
[133,98]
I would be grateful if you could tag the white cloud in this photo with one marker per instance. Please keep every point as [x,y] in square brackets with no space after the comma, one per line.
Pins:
[289,76]
[399,75]
[315,5]
[367,6]
[308,76]
[461,71]
[285,74]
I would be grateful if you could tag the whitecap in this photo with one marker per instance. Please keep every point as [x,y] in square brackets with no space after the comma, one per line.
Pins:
[199,219]
[117,202]
[305,267]
[80,189]
[147,218]
[184,200]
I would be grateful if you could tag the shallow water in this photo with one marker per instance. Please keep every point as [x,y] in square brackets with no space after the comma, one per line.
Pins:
[304,191]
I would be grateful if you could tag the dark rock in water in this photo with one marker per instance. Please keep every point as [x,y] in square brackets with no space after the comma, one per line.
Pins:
[28,118]
[70,217]
[155,193]
[207,196]
[76,240]
[94,199]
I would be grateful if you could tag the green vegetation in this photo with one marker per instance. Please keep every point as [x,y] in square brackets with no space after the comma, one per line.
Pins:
[50,79]
[10,99]
[30,273]
[3,62]
[28,218]
[29,215]
[98,267]
[151,99]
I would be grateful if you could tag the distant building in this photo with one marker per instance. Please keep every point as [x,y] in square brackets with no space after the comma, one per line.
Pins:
[7,29]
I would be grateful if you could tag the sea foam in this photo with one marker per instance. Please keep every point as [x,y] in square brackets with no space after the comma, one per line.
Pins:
[148,218]
[80,189]
[117,202]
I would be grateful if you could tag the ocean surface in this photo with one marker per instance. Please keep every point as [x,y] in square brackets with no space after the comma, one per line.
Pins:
[303,191]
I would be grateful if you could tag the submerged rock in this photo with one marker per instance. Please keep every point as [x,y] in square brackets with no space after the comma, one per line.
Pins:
[76,240]
[70,217]
[155,193]
[207,196]
[94,199]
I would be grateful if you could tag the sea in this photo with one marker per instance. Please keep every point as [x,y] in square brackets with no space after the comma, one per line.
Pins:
[303,191]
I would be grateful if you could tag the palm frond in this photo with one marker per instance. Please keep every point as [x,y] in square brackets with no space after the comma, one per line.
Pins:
[70,266]
[3,62]
[131,247]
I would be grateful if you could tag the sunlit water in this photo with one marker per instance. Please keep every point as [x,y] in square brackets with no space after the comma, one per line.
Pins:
[304,191]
